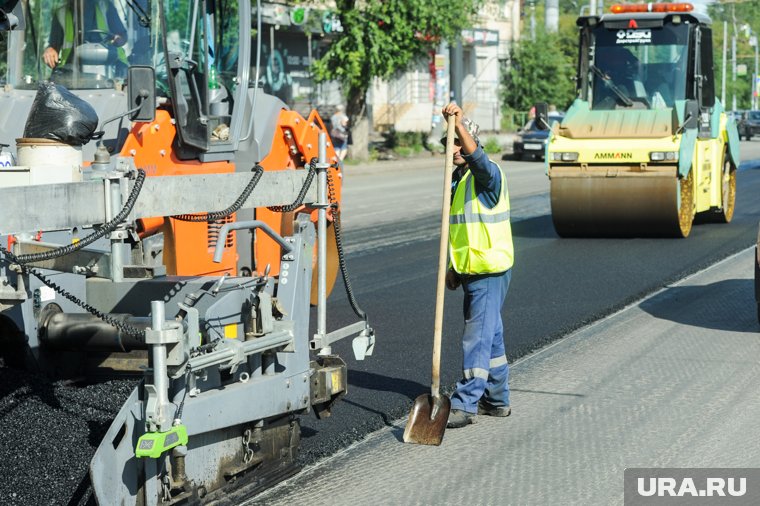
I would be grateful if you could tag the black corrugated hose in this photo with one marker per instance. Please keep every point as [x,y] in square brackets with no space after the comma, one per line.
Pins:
[302,194]
[339,243]
[258,170]
[25,269]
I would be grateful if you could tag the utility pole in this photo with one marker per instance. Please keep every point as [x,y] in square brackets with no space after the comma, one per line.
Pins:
[753,42]
[552,16]
[455,62]
[533,20]
[723,73]
[733,72]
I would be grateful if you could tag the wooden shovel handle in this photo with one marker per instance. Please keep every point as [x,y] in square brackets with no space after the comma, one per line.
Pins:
[443,258]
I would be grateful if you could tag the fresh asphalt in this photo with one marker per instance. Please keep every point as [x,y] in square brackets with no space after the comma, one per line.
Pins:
[669,382]
[558,286]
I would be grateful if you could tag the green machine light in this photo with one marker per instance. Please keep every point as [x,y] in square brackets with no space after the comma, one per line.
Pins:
[154,444]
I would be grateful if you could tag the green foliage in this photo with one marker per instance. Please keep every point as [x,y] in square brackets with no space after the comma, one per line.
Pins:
[405,139]
[403,151]
[511,121]
[740,17]
[381,38]
[406,143]
[492,146]
[542,71]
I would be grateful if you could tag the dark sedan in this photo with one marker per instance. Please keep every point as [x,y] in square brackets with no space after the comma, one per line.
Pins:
[749,124]
[531,140]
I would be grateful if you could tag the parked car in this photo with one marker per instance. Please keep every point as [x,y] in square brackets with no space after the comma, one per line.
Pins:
[749,124]
[735,115]
[532,140]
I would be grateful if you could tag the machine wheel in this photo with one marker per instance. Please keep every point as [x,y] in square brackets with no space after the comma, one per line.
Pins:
[687,208]
[728,194]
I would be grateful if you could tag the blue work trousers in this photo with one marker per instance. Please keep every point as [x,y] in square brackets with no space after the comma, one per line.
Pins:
[485,368]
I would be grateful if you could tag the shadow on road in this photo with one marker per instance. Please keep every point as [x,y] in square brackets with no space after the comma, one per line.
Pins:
[711,305]
[371,381]
[540,227]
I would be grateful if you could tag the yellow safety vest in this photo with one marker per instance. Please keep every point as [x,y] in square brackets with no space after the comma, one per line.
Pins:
[66,19]
[480,239]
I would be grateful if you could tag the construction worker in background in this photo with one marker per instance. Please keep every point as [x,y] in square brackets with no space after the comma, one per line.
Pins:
[481,256]
[100,23]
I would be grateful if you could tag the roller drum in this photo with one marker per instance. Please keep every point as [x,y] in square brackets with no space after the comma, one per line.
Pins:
[610,202]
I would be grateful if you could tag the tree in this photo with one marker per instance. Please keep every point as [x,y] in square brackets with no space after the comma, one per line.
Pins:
[541,71]
[742,18]
[381,38]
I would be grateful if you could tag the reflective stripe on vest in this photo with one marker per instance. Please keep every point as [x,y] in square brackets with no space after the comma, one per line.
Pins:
[66,19]
[480,239]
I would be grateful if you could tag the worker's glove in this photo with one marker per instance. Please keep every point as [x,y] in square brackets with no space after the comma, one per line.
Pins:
[452,280]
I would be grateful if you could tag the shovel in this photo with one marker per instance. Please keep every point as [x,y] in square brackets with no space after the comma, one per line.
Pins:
[430,412]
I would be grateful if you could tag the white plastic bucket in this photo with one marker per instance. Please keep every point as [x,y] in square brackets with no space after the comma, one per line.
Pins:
[60,162]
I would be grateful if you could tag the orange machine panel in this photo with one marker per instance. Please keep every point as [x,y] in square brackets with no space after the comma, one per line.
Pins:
[188,247]
[294,144]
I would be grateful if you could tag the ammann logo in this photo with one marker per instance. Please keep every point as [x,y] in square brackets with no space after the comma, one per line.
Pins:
[688,487]
[613,156]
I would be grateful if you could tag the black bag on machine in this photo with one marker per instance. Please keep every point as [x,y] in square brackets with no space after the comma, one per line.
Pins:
[60,115]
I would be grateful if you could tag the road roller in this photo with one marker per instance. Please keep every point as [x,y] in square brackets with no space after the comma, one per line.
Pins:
[166,217]
[646,145]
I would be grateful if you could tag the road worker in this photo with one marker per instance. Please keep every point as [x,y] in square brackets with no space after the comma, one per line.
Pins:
[481,256]
[99,23]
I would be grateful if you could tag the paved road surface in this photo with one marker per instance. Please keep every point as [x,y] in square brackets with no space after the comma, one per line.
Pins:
[558,286]
[669,382]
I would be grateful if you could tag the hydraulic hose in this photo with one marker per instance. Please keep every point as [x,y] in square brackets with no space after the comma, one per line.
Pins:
[117,323]
[341,257]
[258,171]
[302,194]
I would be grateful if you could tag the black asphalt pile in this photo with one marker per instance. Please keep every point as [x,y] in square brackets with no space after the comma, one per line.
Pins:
[49,432]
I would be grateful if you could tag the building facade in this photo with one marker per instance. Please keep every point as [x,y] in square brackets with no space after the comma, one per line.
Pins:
[292,35]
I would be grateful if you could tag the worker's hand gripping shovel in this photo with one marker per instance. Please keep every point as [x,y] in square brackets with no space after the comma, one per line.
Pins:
[430,412]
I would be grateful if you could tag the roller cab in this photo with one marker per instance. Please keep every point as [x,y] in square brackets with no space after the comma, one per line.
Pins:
[646,145]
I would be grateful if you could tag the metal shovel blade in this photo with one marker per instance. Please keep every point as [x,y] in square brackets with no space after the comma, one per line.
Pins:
[427,420]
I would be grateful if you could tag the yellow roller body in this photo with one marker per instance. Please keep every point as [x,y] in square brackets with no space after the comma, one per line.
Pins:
[613,188]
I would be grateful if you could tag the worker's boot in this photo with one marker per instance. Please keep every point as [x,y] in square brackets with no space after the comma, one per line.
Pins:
[486,408]
[459,418]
